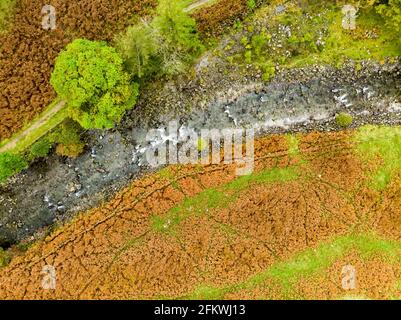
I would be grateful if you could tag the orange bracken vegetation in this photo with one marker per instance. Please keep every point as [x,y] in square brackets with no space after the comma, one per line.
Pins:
[118,251]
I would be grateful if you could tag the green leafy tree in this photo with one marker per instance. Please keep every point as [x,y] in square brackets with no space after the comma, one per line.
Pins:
[138,47]
[90,76]
[391,12]
[7,8]
[10,164]
[178,42]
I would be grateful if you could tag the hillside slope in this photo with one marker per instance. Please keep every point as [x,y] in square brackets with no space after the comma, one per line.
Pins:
[286,231]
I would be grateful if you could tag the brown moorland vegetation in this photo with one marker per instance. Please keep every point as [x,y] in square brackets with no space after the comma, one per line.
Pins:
[28,52]
[187,229]
[214,19]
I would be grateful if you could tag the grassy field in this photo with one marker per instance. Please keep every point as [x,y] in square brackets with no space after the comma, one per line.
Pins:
[6,13]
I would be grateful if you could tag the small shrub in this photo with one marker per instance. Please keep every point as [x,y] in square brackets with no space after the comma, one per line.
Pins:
[344,120]
[11,164]
[138,47]
[70,150]
[248,56]
[178,42]
[251,4]
[41,148]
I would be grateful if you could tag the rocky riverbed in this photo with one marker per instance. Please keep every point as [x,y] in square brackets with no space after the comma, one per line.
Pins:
[56,189]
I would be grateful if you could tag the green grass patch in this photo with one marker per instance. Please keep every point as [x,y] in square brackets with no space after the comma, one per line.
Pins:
[197,205]
[348,44]
[166,173]
[41,148]
[341,44]
[385,142]
[221,197]
[312,261]
[293,145]
[6,13]
[5,258]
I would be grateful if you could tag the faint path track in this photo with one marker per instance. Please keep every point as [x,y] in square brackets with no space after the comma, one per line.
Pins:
[46,116]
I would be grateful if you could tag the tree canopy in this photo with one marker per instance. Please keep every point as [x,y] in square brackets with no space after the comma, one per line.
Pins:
[90,76]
